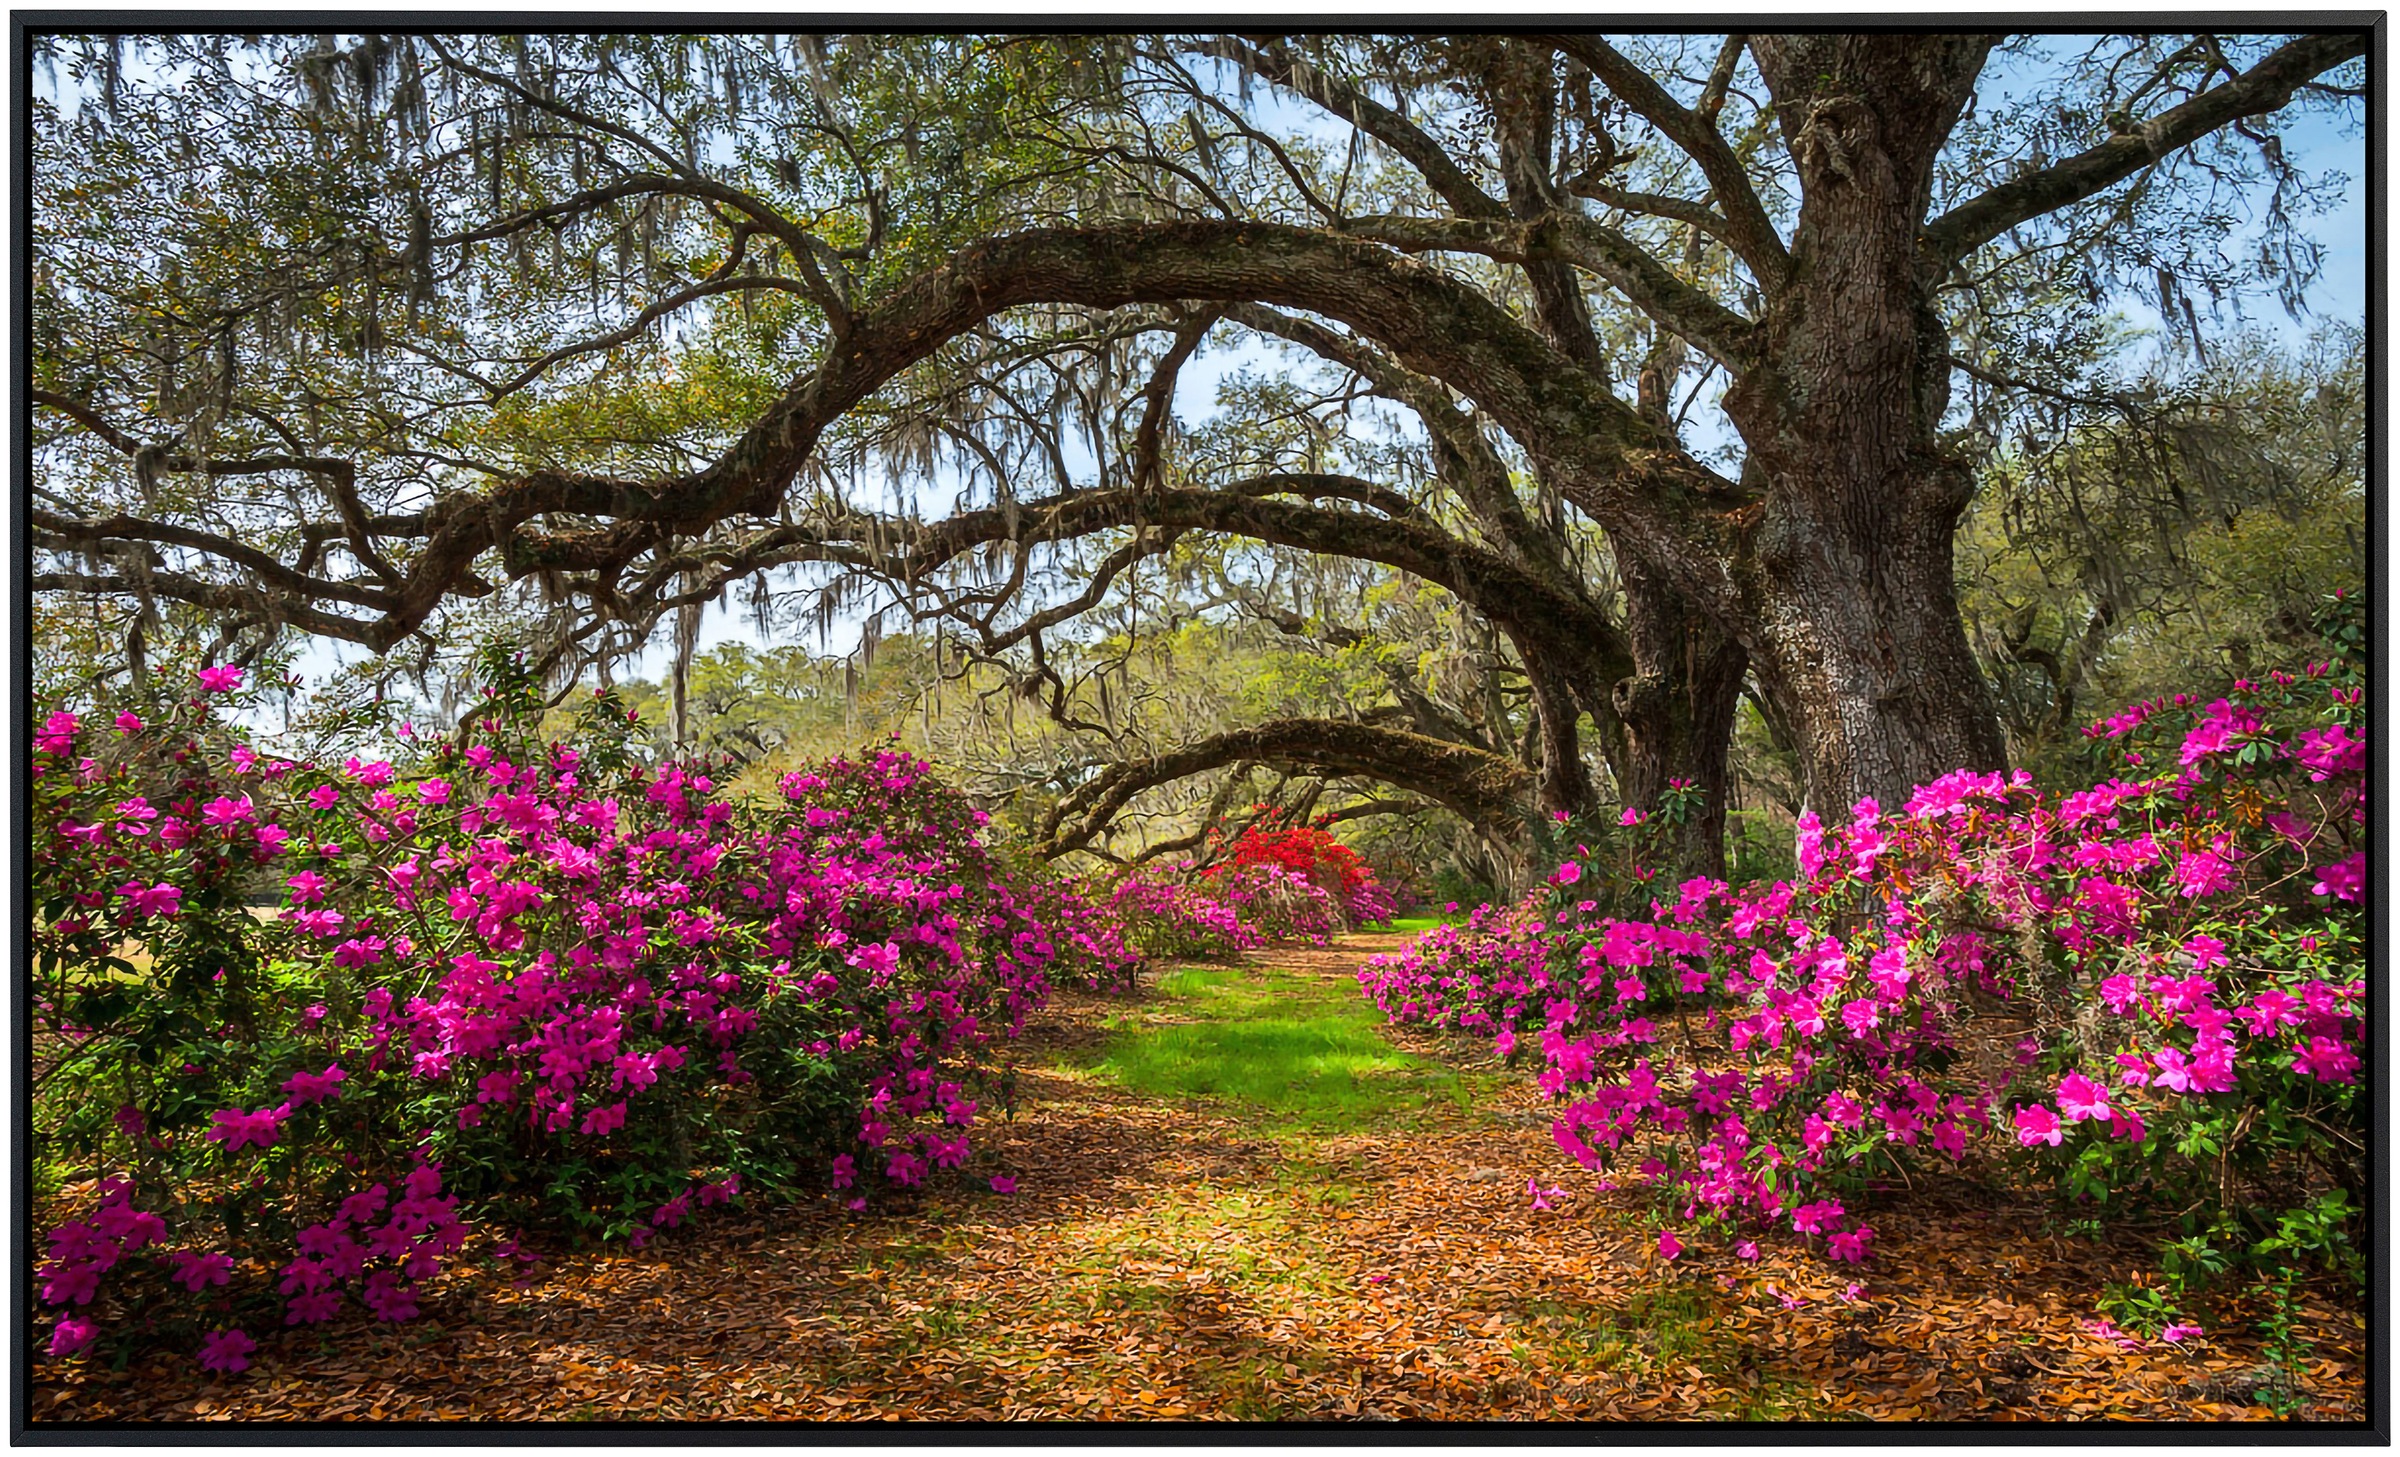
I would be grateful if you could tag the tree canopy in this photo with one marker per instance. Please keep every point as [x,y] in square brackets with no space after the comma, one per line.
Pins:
[1670,365]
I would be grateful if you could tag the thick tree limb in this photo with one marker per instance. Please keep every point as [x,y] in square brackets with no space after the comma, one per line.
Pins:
[1487,790]
[1326,819]
[1522,601]
[1625,265]
[66,533]
[2265,87]
[244,604]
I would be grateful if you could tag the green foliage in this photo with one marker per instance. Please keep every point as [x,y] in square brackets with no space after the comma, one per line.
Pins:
[2116,553]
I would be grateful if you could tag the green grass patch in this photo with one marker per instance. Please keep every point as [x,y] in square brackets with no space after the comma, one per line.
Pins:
[1418,925]
[1304,1053]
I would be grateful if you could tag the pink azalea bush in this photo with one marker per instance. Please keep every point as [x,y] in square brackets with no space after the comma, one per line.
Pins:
[2148,990]
[1171,912]
[1280,904]
[1372,903]
[298,1027]
[1168,914]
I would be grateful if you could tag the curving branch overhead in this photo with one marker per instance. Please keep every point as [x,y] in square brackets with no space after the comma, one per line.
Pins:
[1487,790]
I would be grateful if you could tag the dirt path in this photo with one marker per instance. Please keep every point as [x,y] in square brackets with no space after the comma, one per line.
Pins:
[1202,1258]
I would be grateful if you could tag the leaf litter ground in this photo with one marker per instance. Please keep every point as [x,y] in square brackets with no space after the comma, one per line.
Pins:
[1239,1196]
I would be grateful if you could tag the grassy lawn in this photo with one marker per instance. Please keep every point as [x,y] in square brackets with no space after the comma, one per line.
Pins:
[1304,1054]
[1417,925]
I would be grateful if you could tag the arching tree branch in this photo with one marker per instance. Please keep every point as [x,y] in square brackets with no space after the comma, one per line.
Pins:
[2263,88]
[1487,790]
[1625,265]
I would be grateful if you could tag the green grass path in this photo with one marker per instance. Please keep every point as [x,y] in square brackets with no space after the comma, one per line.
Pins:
[1294,1052]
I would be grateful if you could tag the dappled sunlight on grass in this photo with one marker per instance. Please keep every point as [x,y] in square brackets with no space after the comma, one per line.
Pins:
[1304,1051]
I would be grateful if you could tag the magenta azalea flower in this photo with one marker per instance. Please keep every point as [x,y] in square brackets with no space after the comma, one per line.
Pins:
[2200,874]
[2079,1098]
[2330,751]
[1003,1184]
[227,1351]
[2036,1123]
[236,1129]
[2270,1010]
[2343,881]
[1669,1247]
[307,1088]
[2219,727]
[603,1121]
[72,1335]
[1850,1247]
[161,899]
[226,810]
[199,1271]
[220,680]
[2326,1060]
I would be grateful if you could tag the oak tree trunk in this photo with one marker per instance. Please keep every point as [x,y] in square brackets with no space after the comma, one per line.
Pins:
[1854,627]
[1678,710]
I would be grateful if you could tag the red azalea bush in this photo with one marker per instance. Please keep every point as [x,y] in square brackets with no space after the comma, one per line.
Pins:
[2149,990]
[1307,853]
[295,1025]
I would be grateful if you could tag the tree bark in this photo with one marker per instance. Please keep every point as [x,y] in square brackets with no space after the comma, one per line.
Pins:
[1678,707]
[1854,626]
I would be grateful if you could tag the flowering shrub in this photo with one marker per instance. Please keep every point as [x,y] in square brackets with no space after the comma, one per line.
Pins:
[2148,989]
[295,1024]
[1169,912]
[1278,904]
[1092,940]
[1166,913]
[1303,852]
[1372,904]
[1472,978]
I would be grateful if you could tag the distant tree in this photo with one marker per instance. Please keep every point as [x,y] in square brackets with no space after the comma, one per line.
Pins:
[2192,520]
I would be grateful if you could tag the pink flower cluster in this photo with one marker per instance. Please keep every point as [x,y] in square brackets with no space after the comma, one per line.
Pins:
[1278,904]
[577,960]
[1166,912]
[1747,1049]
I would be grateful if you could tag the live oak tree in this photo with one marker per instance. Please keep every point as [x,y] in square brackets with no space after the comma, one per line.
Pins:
[332,332]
